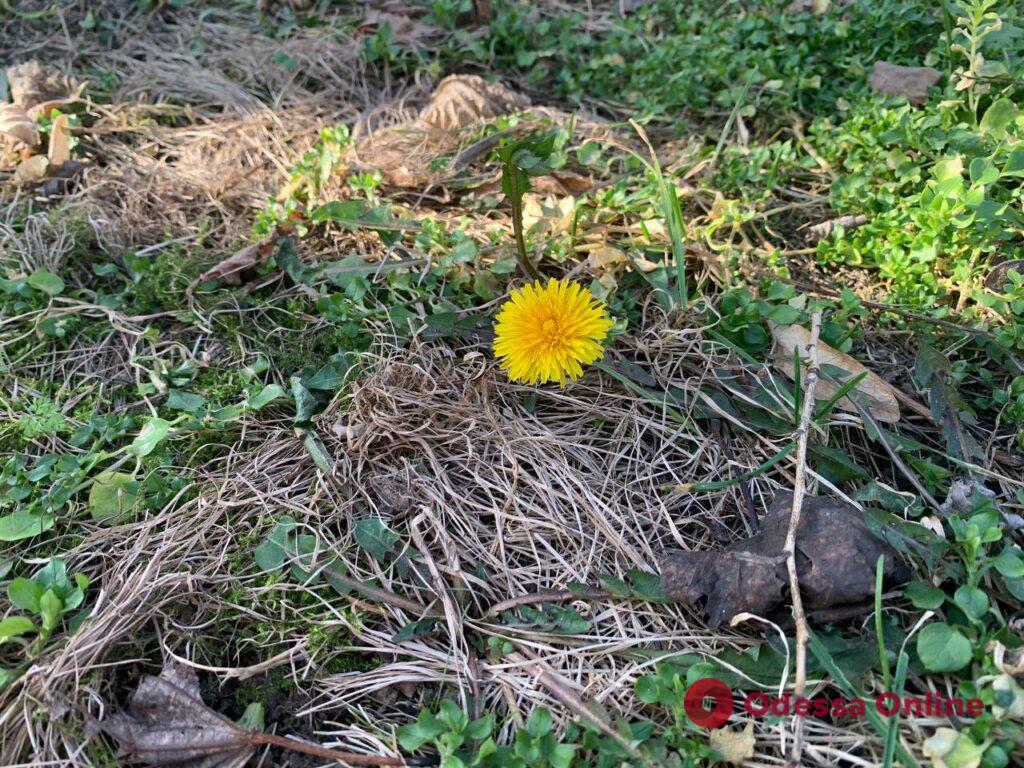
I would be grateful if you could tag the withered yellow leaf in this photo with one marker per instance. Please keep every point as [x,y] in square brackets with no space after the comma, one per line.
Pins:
[16,124]
[735,747]
[59,151]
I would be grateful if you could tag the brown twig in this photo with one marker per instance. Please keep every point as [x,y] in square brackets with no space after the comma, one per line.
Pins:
[573,701]
[799,488]
[549,596]
[352,758]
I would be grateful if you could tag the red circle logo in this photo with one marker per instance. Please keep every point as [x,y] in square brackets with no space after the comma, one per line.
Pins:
[721,700]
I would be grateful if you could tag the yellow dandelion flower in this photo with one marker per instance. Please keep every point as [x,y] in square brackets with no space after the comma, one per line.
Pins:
[548,333]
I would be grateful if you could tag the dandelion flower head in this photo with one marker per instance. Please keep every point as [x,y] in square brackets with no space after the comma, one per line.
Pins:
[549,332]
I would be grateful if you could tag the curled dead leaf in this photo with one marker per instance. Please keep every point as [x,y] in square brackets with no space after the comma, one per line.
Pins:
[836,556]
[872,391]
[16,124]
[31,171]
[404,154]
[997,279]
[602,257]
[462,101]
[824,229]
[37,87]
[230,269]
[562,182]
[548,215]
[735,747]
[167,723]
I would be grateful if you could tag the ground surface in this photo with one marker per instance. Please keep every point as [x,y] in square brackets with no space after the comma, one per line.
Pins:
[301,474]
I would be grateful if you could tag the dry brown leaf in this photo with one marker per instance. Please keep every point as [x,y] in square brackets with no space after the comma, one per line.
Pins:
[403,153]
[735,747]
[912,82]
[826,228]
[16,124]
[873,392]
[59,151]
[836,556]
[31,171]
[462,101]
[230,269]
[549,215]
[34,85]
[602,257]
[167,723]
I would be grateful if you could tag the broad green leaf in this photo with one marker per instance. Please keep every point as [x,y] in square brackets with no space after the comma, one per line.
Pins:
[6,677]
[305,403]
[984,170]
[114,496]
[835,464]
[943,648]
[331,375]
[415,629]
[46,281]
[24,525]
[1010,563]
[648,689]
[227,413]
[998,117]
[185,401]
[25,594]
[375,537]
[972,601]
[646,586]
[265,396]
[51,609]
[54,574]
[925,596]
[271,554]
[948,748]
[1014,165]
[948,169]
[15,626]
[316,450]
[150,436]
[347,213]
[481,728]
[303,547]
[562,755]
[426,728]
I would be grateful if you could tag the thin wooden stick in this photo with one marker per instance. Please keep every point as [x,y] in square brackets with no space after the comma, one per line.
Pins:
[352,758]
[549,596]
[799,488]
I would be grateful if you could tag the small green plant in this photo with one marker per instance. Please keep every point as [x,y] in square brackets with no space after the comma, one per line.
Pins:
[973,557]
[520,159]
[48,597]
[978,21]
[42,418]
[464,743]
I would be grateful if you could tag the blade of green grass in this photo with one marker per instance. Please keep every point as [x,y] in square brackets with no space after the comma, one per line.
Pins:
[877,721]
